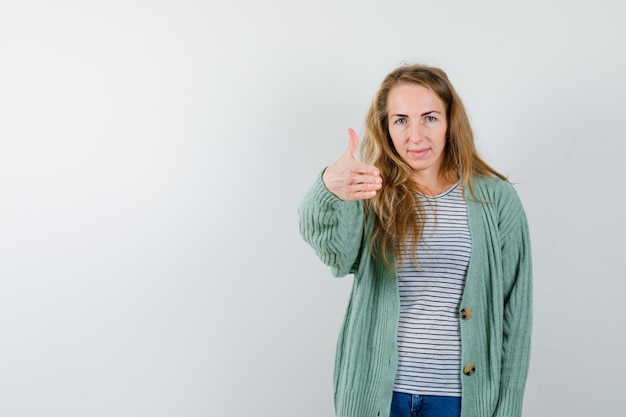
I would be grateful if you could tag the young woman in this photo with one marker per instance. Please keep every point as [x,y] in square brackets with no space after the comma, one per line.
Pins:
[439,318]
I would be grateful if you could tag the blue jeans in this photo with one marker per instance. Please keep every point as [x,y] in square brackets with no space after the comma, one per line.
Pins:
[413,405]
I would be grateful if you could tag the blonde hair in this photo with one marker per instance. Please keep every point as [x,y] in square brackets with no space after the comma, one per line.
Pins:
[398,212]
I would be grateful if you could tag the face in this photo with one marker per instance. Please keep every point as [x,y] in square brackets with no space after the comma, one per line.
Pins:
[418,126]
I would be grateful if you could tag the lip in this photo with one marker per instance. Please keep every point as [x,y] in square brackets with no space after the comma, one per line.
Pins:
[418,153]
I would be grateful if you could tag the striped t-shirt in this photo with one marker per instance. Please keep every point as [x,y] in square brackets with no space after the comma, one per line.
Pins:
[429,341]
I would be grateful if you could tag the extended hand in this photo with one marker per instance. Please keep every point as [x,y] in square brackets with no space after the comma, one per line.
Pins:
[350,179]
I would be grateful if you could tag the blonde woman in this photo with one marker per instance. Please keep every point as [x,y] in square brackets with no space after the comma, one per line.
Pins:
[439,318]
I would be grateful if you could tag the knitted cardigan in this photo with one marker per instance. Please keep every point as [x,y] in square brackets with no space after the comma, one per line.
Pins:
[495,337]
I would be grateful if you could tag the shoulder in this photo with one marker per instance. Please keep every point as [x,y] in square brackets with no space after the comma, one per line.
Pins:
[491,184]
[498,197]
[494,190]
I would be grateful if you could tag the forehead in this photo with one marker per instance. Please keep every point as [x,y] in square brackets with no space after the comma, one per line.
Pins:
[408,96]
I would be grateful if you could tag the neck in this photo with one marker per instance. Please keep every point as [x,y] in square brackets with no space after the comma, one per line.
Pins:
[436,185]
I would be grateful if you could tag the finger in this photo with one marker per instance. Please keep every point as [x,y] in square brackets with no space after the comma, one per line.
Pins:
[364,194]
[368,188]
[362,173]
[353,144]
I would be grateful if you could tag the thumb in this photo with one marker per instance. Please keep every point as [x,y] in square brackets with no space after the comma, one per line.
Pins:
[353,144]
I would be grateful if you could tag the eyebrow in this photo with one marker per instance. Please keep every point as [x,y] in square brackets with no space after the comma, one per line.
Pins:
[422,115]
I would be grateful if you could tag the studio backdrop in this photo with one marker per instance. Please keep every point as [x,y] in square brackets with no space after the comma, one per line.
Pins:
[153,155]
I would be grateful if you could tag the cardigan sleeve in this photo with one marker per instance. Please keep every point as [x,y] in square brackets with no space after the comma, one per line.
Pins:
[333,227]
[517,320]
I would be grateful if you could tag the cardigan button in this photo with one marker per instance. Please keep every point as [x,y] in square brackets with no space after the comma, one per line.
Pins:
[469,370]
[466,313]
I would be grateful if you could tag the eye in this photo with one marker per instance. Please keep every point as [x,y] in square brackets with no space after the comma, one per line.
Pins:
[400,121]
[431,119]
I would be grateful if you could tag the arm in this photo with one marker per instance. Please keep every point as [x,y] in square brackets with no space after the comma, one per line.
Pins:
[333,227]
[517,320]
[331,215]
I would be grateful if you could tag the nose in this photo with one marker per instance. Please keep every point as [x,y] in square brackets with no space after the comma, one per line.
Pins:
[416,132]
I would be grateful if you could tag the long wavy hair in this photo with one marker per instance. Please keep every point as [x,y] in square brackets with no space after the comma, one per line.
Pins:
[399,214]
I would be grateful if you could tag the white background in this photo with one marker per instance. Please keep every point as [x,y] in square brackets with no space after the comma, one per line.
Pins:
[153,155]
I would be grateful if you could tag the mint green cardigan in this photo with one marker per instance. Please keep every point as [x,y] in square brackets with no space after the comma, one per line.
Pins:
[495,339]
